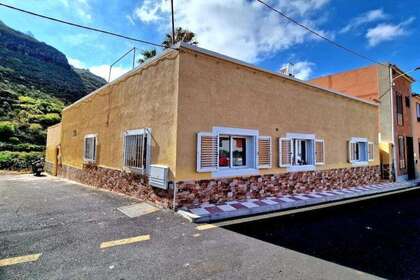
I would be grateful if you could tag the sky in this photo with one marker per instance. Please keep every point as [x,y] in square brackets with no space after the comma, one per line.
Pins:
[384,30]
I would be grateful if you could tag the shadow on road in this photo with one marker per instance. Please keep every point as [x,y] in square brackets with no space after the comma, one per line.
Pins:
[379,236]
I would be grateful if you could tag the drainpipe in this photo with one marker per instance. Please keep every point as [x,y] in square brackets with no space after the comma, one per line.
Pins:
[394,149]
[174,201]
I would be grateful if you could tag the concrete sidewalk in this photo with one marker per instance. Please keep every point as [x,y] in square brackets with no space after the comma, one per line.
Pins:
[206,212]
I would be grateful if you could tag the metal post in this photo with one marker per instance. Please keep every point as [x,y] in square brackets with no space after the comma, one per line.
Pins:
[134,57]
[109,76]
[173,22]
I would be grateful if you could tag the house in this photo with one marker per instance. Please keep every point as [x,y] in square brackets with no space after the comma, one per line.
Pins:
[415,121]
[192,126]
[389,86]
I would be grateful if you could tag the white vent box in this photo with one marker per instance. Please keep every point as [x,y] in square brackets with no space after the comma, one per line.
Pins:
[159,176]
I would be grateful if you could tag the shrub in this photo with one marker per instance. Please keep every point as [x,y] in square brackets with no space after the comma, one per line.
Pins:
[7,129]
[18,160]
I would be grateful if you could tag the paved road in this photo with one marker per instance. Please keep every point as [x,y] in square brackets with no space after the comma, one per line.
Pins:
[380,236]
[66,223]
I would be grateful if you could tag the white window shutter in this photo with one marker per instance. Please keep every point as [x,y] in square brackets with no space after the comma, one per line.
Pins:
[351,151]
[319,152]
[370,151]
[285,152]
[207,152]
[264,152]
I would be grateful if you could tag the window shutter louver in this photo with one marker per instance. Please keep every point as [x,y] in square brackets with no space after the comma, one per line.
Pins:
[207,152]
[285,152]
[370,151]
[352,150]
[319,152]
[264,152]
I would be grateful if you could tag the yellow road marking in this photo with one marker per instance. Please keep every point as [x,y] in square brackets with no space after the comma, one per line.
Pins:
[124,241]
[206,226]
[299,210]
[18,260]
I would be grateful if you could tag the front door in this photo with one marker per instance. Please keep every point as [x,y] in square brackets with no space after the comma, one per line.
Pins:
[411,172]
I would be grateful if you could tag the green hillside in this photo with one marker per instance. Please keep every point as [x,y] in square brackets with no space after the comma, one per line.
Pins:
[36,82]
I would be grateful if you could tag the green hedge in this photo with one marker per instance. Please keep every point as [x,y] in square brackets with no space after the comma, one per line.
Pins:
[18,160]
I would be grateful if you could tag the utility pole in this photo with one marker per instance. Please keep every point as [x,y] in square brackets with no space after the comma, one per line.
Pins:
[173,22]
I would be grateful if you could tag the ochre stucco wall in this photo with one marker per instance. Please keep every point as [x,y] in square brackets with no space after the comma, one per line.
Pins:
[53,140]
[145,98]
[215,92]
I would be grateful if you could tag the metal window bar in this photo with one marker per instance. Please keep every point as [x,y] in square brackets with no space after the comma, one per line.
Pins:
[135,151]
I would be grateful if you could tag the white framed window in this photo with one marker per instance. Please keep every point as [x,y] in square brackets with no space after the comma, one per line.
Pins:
[360,151]
[233,151]
[137,150]
[301,152]
[89,151]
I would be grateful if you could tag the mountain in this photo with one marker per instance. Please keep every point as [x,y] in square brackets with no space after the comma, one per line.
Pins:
[27,61]
[36,82]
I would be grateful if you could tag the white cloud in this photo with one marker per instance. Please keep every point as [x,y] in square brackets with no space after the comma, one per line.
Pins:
[302,69]
[76,63]
[369,16]
[387,32]
[242,29]
[103,71]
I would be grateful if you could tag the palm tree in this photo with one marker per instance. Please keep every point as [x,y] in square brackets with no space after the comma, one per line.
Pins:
[181,35]
[146,54]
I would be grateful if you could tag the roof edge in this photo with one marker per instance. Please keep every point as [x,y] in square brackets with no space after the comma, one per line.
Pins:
[125,75]
[240,62]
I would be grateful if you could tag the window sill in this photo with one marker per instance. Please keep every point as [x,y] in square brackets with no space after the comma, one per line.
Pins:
[360,163]
[233,172]
[297,168]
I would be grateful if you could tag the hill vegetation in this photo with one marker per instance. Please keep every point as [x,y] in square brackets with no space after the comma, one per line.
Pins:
[36,82]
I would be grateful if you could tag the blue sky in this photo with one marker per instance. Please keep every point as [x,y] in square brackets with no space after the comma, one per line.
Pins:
[385,30]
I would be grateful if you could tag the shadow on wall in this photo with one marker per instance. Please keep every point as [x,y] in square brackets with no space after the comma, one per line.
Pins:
[380,236]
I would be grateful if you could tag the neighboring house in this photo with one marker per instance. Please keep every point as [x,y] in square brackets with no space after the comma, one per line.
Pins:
[387,85]
[204,127]
[415,120]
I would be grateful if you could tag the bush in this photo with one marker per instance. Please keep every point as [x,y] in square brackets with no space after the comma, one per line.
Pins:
[22,147]
[47,119]
[18,160]
[7,129]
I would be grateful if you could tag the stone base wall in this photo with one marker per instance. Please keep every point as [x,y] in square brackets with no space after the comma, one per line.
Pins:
[118,181]
[220,190]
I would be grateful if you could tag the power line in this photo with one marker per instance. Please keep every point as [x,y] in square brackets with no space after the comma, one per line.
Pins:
[319,35]
[82,26]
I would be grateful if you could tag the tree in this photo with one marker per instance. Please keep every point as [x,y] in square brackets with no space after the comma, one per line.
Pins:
[146,54]
[181,35]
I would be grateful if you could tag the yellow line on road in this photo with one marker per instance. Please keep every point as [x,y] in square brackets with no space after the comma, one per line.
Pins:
[299,210]
[124,241]
[18,260]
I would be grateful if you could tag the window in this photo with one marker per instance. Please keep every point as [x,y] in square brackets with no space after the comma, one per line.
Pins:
[400,116]
[360,151]
[137,149]
[90,148]
[232,151]
[418,111]
[407,101]
[300,152]
[401,152]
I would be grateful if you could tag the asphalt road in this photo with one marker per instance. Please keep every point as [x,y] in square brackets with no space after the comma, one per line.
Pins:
[64,224]
[380,236]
